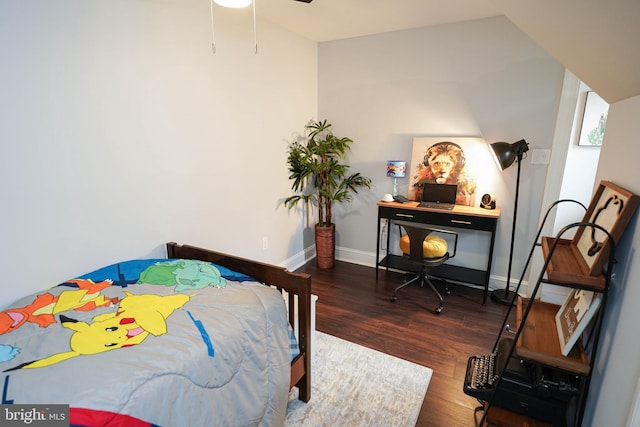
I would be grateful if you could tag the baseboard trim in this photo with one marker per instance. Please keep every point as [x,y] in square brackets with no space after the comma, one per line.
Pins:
[367,259]
[298,260]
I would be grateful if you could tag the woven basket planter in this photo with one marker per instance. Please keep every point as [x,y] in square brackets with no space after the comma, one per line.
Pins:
[325,246]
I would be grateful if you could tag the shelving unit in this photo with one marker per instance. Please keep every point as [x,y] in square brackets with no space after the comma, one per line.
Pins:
[535,379]
[536,343]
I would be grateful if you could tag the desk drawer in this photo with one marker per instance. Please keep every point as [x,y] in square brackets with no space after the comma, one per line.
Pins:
[445,218]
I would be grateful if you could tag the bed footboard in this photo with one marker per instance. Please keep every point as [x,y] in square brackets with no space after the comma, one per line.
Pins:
[295,287]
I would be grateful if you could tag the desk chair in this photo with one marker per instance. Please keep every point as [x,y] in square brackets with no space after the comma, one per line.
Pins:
[427,251]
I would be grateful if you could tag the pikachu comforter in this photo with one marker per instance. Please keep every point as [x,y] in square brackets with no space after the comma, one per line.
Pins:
[151,342]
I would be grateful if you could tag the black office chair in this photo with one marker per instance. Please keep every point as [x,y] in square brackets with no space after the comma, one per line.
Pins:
[427,251]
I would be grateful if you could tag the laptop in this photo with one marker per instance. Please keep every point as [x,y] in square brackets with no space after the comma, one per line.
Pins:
[439,196]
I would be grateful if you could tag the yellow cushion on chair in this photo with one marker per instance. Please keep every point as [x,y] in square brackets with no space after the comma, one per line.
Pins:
[433,246]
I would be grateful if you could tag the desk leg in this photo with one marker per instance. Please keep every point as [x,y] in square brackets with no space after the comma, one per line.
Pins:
[378,250]
[488,274]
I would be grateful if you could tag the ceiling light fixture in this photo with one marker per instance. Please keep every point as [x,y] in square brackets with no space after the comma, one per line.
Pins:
[236,4]
[233,3]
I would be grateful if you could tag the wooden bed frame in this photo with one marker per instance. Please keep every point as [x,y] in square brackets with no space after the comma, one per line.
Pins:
[295,287]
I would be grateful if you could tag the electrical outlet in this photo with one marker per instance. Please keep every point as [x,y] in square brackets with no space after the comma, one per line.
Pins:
[540,157]
[265,243]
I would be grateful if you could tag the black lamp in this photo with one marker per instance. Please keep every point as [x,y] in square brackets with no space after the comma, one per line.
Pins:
[505,154]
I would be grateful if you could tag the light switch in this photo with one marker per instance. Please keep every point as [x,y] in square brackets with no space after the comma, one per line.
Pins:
[540,156]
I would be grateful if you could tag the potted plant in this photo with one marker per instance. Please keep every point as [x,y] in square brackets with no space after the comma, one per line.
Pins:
[321,179]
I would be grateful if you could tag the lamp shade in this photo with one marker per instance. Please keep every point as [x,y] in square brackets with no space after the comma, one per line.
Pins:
[233,3]
[396,168]
[505,154]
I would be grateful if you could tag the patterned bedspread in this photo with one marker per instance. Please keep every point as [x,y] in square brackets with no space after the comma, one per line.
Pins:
[151,342]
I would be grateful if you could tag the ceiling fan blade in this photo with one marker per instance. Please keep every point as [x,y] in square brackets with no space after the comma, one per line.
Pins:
[305,1]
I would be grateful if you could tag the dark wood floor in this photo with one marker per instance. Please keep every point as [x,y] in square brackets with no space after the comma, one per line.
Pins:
[353,306]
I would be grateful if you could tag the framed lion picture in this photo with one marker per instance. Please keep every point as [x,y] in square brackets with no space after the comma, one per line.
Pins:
[444,160]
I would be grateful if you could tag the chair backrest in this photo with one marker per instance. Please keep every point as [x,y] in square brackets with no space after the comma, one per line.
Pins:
[417,233]
[416,241]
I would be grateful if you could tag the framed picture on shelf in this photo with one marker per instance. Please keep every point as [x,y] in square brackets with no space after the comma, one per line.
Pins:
[611,208]
[594,120]
[574,315]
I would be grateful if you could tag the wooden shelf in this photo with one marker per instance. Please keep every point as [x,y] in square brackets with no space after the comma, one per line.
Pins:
[565,266]
[539,339]
[498,417]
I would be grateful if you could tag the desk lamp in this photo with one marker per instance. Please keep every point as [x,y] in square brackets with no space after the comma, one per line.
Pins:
[396,169]
[505,154]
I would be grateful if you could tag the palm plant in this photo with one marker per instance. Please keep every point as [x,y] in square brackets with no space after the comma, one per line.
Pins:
[318,176]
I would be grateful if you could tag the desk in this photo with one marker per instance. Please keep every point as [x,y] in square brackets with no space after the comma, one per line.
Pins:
[461,217]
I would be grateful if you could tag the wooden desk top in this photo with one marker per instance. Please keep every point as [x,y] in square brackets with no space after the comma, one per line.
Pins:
[458,209]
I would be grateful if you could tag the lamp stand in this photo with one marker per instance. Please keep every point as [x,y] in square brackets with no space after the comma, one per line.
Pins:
[395,187]
[505,296]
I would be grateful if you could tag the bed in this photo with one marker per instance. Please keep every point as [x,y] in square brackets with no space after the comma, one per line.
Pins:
[201,338]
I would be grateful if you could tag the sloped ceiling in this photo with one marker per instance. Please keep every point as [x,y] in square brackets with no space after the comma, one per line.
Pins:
[324,20]
[598,40]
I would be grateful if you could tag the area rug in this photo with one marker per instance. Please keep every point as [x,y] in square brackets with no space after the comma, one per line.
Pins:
[353,385]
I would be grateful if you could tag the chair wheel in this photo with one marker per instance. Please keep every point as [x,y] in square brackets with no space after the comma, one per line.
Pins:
[394,298]
[439,310]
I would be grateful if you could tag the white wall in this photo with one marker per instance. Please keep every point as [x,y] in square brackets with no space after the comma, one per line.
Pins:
[617,370]
[571,176]
[120,131]
[476,78]
[580,169]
